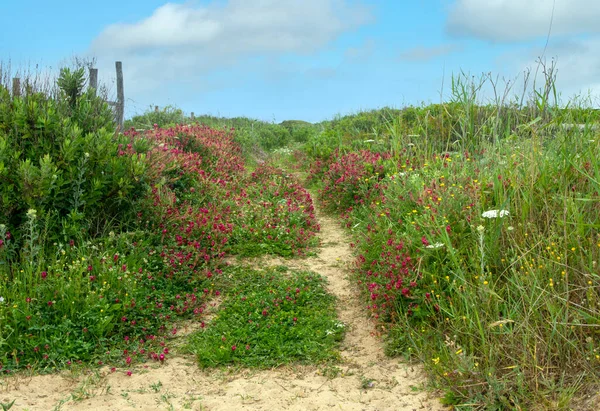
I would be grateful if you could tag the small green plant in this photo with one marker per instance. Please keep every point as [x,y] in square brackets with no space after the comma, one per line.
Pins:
[156,387]
[331,371]
[366,383]
[7,405]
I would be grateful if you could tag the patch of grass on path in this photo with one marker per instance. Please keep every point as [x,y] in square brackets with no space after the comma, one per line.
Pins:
[270,318]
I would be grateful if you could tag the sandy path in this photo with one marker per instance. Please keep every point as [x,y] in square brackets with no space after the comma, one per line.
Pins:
[365,380]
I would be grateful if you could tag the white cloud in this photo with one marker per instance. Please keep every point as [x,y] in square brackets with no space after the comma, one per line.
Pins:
[517,20]
[424,54]
[184,42]
[577,65]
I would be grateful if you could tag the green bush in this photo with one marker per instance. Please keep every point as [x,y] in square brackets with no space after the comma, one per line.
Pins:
[168,116]
[61,160]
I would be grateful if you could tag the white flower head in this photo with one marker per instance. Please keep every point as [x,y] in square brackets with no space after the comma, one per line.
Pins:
[32,213]
[1,299]
[435,245]
[495,213]
[480,228]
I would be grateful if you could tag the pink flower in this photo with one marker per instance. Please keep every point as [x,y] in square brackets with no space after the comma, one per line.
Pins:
[129,373]
[233,348]
[44,275]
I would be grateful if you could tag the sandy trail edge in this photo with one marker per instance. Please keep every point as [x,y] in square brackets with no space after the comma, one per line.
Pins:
[179,384]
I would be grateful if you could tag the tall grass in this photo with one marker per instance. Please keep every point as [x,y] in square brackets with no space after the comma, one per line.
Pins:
[477,239]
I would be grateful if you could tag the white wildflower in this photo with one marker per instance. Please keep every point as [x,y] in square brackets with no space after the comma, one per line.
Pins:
[495,213]
[32,213]
[480,229]
[435,245]
[1,299]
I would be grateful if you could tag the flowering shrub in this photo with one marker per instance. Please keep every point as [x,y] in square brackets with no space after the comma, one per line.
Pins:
[276,215]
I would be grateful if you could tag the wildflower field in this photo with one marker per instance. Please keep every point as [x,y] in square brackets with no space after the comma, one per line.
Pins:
[477,241]
[474,228]
[108,241]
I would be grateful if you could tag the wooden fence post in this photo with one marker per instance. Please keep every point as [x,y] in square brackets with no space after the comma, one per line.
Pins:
[120,95]
[192,116]
[93,79]
[156,109]
[16,87]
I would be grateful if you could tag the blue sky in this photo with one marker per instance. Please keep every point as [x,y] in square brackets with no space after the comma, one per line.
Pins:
[305,59]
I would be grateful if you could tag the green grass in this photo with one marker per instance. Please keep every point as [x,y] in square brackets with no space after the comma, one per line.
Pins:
[502,312]
[270,318]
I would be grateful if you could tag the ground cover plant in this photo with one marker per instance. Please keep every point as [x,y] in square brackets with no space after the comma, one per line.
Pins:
[107,240]
[480,255]
[272,317]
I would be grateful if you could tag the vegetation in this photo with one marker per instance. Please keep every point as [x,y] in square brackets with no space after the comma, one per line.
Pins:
[274,318]
[477,242]
[256,137]
[475,230]
[108,240]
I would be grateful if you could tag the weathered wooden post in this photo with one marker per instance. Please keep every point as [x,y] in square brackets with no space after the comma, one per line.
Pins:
[93,79]
[16,87]
[192,116]
[156,109]
[120,95]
